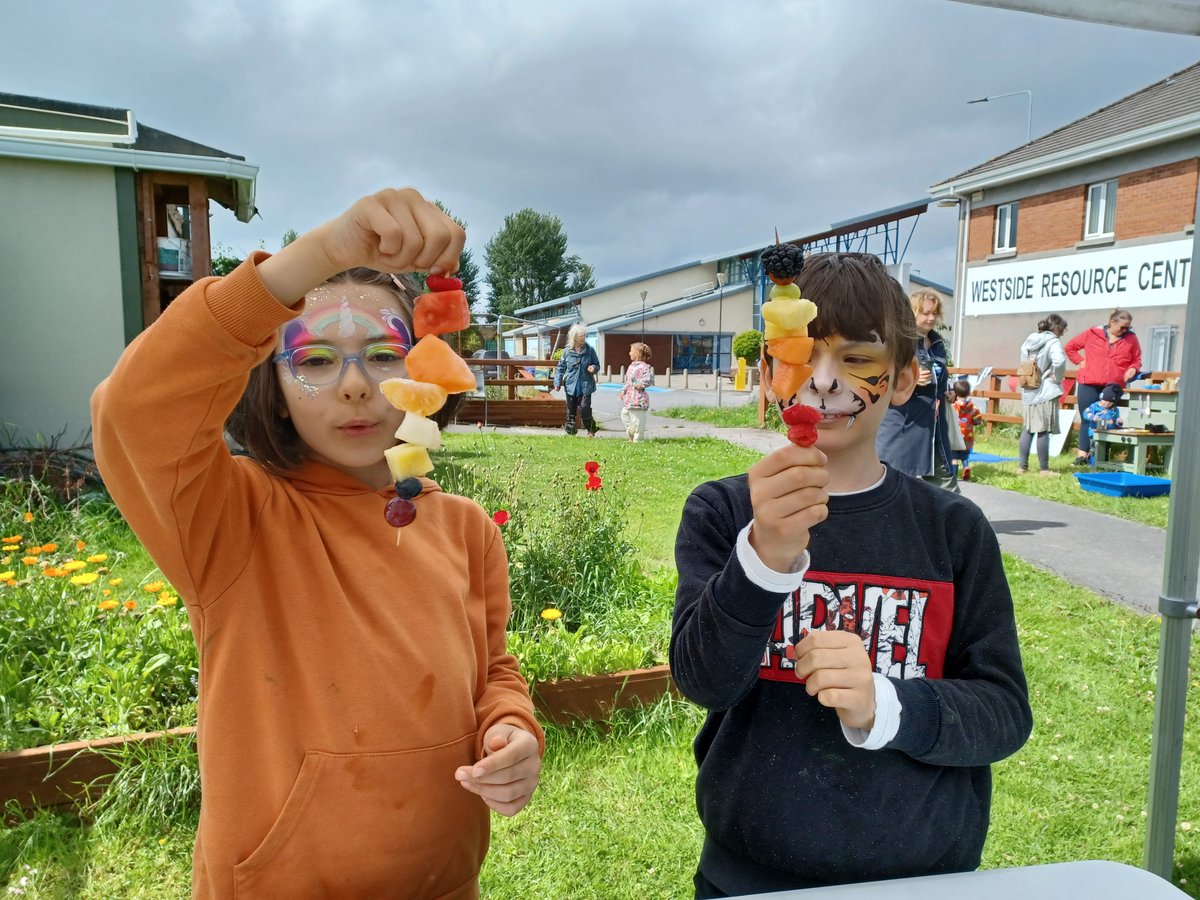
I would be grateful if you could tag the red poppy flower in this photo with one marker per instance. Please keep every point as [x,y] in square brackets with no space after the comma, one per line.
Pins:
[500,516]
[591,467]
[593,483]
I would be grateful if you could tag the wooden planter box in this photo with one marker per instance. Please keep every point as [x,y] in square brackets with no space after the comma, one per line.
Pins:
[61,776]
[596,696]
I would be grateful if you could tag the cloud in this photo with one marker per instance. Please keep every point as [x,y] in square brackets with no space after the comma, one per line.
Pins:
[659,133]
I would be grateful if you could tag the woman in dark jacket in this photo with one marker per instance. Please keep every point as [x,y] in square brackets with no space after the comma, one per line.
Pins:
[576,375]
[915,438]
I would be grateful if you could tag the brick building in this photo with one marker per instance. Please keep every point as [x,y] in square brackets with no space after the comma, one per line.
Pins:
[1096,215]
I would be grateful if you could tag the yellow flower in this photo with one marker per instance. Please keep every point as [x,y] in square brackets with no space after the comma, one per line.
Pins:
[165,599]
[28,517]
[73,565]
[5,560]
[130,604]
[7,576]
[106,592]
[29,560]
[115,582]
[79,545]
[84,578]
[153,587]
[106,605]
[551,614]
[96,557]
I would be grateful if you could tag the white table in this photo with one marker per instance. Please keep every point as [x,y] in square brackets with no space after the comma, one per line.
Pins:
[1091,879]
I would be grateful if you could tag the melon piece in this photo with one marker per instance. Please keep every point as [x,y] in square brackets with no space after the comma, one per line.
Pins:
[434,361]
[785,291]
[417,429]
[787,379]
[418,397]
[790,315]
[441,313]
[407,461]
[795,350]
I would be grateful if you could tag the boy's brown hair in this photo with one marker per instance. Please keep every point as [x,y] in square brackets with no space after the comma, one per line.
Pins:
[259,424]
[857,299]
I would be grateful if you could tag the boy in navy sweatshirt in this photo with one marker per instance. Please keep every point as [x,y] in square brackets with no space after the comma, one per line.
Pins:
[849,630]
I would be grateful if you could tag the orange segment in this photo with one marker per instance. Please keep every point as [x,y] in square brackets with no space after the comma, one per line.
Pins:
[418,397]
[795,350]
[435,361]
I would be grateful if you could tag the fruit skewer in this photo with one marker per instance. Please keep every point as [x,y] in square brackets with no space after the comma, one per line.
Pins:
[786,316]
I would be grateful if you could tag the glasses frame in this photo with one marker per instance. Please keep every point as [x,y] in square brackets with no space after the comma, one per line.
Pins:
[285,357]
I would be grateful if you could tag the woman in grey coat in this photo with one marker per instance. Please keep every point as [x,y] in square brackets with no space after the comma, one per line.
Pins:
[1039,405]
[576,375]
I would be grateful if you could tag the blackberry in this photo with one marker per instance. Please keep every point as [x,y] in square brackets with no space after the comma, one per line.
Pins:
[783,260]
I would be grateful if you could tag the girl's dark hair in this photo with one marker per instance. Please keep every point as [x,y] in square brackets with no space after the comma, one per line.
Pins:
[259,424]
[857,299]
[1053,322]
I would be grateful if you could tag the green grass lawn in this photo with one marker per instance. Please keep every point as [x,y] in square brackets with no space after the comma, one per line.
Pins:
[615,815]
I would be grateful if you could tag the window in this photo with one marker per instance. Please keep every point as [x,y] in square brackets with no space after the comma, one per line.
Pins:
[1101,210]
[1006,227]
[1162,348]
[698,353]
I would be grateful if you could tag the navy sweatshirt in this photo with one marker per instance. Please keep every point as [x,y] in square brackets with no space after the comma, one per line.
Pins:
[786,800]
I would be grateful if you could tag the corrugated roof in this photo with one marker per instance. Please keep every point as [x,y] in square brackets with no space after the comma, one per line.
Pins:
[1175,96]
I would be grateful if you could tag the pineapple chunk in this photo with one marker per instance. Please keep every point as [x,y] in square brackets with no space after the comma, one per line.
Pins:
[419,430]
[407,461]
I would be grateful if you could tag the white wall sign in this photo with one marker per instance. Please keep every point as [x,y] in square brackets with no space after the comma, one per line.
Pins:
[1145,275]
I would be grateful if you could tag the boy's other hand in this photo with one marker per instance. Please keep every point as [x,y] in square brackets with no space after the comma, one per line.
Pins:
[838,673]
[787,492]
[508,774]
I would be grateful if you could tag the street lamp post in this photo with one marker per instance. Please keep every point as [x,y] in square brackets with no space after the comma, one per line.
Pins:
[721,278]
[644,315]
[1028,112]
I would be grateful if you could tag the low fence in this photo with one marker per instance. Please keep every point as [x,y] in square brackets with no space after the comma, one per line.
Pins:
[999,385]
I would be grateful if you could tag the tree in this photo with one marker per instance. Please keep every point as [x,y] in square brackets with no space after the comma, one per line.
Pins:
[746,345]
[288,236]
[527,263]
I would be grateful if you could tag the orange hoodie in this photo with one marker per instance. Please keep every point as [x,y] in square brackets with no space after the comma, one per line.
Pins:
[343,678]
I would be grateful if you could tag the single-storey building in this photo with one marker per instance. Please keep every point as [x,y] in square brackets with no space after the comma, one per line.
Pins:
[689,313]
[1094,216]
[103,221]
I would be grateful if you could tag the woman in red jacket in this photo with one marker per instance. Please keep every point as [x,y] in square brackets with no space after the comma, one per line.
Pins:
[1110,355]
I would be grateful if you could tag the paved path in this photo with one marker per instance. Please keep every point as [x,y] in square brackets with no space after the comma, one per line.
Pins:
[1112,557]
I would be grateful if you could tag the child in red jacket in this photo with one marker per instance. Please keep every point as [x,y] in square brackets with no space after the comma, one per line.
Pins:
[969,418]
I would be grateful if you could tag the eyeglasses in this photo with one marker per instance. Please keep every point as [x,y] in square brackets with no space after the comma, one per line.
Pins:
[321,365]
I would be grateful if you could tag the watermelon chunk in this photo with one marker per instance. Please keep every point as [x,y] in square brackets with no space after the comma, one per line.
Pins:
[441,313]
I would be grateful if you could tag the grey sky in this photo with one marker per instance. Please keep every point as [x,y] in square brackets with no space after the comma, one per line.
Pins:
[659,132]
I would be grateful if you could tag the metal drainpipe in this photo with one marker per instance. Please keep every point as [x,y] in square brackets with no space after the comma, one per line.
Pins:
[960,283]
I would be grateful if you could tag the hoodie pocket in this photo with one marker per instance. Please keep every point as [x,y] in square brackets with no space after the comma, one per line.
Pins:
[392,824]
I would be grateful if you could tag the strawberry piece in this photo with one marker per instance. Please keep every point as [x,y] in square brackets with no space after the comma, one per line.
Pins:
[437,283]
[799,414]
[802,435]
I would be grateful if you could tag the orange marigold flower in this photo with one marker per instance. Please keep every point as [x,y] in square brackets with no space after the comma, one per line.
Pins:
[106,605]
[52,572]
[11,582]
[29,560]
[153,587]
[130,604]
[11,539]
[73,565]
[49,548]
[28,517]
[79,545]
[96,557]
[84,578]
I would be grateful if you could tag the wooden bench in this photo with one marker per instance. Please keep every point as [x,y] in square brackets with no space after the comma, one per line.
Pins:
[538,413]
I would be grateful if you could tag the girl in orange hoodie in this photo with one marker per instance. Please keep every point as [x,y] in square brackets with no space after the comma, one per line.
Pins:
[358,710]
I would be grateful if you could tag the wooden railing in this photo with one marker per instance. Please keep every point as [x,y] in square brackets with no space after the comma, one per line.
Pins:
[997,389]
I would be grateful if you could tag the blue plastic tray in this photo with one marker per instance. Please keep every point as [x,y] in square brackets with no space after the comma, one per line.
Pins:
[1123,484]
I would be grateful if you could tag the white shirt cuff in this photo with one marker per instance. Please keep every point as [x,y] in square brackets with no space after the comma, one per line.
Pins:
[760,574]
[887,718]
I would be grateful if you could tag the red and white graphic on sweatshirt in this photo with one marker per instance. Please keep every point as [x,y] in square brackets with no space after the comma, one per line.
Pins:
[904,622]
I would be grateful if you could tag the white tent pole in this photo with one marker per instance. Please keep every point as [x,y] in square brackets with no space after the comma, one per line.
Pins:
[1177,603]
